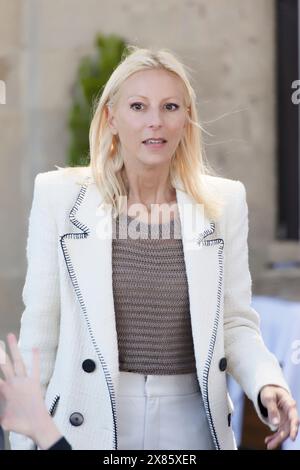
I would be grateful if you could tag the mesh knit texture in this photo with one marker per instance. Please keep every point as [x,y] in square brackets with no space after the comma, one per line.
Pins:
[151,298]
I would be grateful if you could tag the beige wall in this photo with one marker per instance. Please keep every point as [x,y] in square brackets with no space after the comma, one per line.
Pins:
[228,43]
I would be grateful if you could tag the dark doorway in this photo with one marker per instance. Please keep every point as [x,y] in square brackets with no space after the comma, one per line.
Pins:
[288,167]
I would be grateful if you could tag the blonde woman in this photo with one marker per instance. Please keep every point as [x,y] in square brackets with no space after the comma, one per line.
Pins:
[138,288]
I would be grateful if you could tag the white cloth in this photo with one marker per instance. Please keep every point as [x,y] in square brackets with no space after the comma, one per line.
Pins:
[280,327]
[69,305]
[161,412]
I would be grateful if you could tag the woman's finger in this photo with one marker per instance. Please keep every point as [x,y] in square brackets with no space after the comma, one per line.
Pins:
[18,363]
[6,366]
[272,436]
[273,411]
[294,422]
[278,437]
[2,352]
[289,408]
[275,434]
[270,401]
[268,438]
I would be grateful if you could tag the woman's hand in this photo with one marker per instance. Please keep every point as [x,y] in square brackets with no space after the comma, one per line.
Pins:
[282,413]
[24,410]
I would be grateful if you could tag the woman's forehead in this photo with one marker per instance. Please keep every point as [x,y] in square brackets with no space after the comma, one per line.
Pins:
[137,85]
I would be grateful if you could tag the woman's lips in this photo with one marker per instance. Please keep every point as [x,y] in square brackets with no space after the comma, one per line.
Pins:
[155,146]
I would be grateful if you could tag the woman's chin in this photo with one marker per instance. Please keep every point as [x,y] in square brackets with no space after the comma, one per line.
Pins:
[155,159]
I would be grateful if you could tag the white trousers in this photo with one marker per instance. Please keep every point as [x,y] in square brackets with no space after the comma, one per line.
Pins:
[161,412]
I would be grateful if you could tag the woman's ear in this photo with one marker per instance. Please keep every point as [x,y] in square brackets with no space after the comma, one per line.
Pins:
[110,119]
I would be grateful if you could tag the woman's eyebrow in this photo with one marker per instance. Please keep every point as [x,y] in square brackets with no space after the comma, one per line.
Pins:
[141,96]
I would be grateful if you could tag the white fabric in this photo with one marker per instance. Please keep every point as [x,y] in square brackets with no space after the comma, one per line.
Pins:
[280,327]
[69,307]
[161,412]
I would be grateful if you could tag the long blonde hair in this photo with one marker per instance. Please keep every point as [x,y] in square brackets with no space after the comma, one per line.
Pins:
[189,162]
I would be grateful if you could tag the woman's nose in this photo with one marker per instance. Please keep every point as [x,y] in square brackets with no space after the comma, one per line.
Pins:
[155,117]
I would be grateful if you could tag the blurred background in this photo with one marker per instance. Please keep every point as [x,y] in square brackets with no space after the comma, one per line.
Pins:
[54,58]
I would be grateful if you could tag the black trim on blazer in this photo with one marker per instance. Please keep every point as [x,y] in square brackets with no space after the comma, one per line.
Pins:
[54,405]
[85,233]
[217,241]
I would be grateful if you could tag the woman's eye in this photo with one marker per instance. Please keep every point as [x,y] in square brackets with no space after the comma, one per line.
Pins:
[133,106]
[173,104]
[136,104]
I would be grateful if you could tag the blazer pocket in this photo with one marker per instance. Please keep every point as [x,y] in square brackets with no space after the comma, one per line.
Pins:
[53,405]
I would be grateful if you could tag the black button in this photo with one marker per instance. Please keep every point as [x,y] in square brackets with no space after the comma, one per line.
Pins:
[223,364]
[88,365]
[229,419]
[76,419]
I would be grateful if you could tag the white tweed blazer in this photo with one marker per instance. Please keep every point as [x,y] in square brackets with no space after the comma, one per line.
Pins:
[69,308]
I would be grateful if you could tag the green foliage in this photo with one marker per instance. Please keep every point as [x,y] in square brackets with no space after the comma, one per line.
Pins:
[93,73]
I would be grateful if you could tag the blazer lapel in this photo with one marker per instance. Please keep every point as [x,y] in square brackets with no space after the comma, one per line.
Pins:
[203,256]
[89,262]
[88,255]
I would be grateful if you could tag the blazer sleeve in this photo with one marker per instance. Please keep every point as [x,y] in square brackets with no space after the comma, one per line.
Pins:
[248,360]
[61,444]
[40,295]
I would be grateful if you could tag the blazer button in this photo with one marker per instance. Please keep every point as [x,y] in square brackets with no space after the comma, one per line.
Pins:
[88,365]
[223,364]
[76,419]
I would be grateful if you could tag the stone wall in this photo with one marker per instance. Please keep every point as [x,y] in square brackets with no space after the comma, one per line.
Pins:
[230,46]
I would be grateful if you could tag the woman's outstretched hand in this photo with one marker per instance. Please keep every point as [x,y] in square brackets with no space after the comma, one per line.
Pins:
[22,403]
[282,412]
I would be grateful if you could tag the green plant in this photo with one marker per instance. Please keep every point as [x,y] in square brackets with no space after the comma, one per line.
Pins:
[93,73]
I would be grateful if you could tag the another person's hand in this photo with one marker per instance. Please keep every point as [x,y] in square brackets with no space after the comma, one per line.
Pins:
[21,398]
[282,414]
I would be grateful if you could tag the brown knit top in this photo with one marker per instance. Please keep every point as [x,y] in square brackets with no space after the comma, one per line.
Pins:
[151,298]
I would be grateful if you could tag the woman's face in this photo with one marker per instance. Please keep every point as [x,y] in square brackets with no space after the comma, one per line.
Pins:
[151,104]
